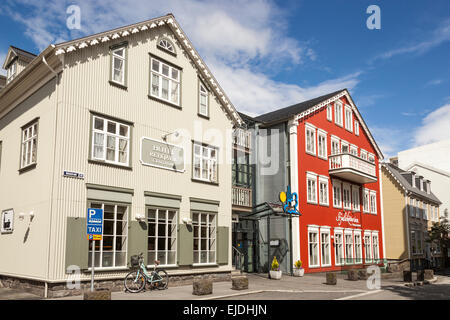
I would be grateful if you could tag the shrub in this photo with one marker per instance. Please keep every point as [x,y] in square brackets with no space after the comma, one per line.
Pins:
[275,264]
[298,264]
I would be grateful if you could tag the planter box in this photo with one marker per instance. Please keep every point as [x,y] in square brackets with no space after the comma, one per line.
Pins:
[429,274]
[239,283]
[202,287]
[331,278]
[276,275]
[299,272]
[352,275]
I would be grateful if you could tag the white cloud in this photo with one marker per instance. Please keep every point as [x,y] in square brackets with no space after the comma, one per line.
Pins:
[390,146]
[435,127]
[435,82]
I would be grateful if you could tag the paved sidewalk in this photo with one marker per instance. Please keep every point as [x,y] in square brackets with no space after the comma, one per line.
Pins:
[11,294]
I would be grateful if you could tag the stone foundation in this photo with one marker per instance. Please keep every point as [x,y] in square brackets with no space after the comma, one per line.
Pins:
[60,290]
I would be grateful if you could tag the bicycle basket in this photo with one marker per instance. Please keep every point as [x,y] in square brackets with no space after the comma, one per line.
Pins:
[135,261]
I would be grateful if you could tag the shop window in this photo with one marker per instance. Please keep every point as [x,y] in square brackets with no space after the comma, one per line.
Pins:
[111,251]
[165,82]
[162,236]
[313,243]
[110,141]
[325,248]
[205,163]
[339,248]
[29,145]
[204,226]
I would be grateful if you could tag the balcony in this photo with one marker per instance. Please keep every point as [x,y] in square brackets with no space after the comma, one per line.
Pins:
[242,199]
[242,138]
[350,167]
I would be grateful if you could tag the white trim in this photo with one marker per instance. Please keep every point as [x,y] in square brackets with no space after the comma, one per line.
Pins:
[316,231]
[310,176]
[310,129]
[322,134]
[348,108]
[294,179]
[341,232]
[341,104]
[327,231]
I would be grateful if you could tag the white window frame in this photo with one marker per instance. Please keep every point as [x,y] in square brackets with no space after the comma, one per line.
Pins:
[335,141]
[364,155]
[338,113]
[311,183]
[356,203]
[375,247]
[123,59]
[29,144]
[325,230]
[174,234]
[356,127]
[211,237]
[358,246]
[314,230]
[348,118]
[339,246]
[308,130]
[366,200]
[171,81]
[368,256]
[167,45]
[11,72]
[345,144]
[346,195]
[351,245]
[337,185]
[117,137]
[330,112]
[354,150]
[212,170]
[322,151]
[324,197]
[373,202]
[203,93]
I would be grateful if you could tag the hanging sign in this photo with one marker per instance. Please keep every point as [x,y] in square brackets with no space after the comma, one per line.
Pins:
[290,202]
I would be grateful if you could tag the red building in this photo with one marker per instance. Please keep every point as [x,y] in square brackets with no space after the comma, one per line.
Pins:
[335,171]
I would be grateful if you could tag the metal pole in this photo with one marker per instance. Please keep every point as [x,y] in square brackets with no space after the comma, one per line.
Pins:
[92,266]
[268,246]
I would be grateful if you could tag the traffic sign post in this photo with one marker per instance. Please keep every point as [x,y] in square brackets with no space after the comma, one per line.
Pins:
[94,232]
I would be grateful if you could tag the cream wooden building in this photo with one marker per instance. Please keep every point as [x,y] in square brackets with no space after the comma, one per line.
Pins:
[132,121]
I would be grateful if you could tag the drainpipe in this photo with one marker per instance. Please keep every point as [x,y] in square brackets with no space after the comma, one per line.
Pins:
[52,188]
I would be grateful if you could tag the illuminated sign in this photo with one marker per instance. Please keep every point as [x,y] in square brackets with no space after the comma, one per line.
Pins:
[290,202]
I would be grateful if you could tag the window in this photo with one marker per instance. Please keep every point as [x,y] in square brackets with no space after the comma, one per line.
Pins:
[358,248]
[205,163]
[364,155]
[29,145]
[311,187]
[425,211]
[414,209]
[371,158]
[323,191]
[338,113]
[330,112]
[411,208]
[162,236]
[346,196]
[376,255]
[111,251]
[325,248]
[373,202]
[335,149]
[366,206]
[345,147]
[322,144]
[110,141]
[241,169]
[337,199]
[118,71]
[368,247]
[354,150]
[348,118]
[349,247]
[414,242]
[313,238]
[203,108]
[165,82]
[166,45]
[310,140]
[11,72]
[339,248]
[204,225]
[356,127]
[355,198]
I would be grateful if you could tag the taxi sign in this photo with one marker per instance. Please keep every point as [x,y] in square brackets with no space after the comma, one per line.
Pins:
[94,224]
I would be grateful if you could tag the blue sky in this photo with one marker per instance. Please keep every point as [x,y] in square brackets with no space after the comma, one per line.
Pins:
[269,54]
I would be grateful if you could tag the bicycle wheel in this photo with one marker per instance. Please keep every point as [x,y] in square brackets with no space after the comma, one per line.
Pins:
[162,280]
[134,282]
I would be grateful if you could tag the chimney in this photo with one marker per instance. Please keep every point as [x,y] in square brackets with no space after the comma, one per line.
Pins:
[394,161]
[428,182]
[421,183]
[413,179]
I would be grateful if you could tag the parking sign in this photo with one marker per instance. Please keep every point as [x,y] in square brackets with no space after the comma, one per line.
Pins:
[94,224]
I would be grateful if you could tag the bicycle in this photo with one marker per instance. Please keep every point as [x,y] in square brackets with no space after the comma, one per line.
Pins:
[136,280]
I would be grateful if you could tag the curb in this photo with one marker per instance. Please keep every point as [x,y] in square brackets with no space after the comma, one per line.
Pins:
[420,283]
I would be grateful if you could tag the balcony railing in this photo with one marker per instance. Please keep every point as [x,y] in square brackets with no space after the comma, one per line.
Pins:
[242,138]
[242,197]
[353,168]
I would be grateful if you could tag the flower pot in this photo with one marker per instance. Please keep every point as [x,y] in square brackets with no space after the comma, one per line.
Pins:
[299,272]
[276,275]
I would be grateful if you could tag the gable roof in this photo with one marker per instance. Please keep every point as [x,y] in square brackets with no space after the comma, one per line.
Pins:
[401,176]
[16,52]
[303,109]
[183,40]
[428,167]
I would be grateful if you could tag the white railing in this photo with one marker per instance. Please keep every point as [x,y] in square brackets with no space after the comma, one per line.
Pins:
[350,161]
[242,197]
[242,138]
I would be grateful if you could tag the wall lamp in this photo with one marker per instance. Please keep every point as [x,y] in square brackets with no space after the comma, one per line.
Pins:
[175,133]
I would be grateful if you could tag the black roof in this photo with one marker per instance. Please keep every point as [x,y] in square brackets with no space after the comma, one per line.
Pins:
[288,112]
[247,119]
[24,52]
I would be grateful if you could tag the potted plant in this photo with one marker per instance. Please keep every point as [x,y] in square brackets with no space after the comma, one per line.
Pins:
[298,270]
[275,272]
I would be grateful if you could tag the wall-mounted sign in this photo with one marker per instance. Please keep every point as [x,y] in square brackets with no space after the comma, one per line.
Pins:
[347,217]
[275,243]
[75,175]
[7,222]
[162,155]
[290,202]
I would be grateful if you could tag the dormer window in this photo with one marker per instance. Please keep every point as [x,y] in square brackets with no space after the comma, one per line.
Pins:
[167,45]
[11,73]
